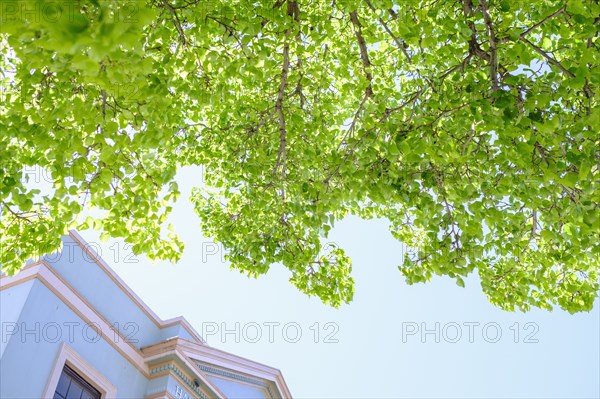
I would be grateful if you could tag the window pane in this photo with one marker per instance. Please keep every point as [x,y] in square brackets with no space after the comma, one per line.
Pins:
[75,390]
[88,395]
[63,384]
[72,386]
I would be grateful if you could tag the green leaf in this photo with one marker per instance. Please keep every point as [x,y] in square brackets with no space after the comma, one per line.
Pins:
[288,126]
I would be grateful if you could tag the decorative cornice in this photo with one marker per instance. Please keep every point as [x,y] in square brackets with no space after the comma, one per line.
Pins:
[269,386]
[237,364]
[158,354]
[171,368]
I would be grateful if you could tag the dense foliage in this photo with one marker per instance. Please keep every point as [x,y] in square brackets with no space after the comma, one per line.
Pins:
[471,125]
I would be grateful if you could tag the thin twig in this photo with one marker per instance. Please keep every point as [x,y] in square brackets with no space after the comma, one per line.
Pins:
[538,24]
[548,57]
[399,42]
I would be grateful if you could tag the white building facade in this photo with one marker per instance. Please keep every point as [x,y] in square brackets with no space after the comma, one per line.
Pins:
[71,328]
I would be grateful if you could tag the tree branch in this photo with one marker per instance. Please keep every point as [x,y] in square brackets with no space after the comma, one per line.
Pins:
[281,154]
[399,42]
[533,225]
[493,45]
[548,57]
[388,111]
[18,215]
[364,55]
[468,140]
[352,127]
[474,47]
[294,11]
[176,22]
[538,24]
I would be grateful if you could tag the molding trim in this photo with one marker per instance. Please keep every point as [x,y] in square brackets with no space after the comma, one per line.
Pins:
[188,353]
[167,352]
[89,250]
[48,277]
[172,369]
[228,375]
[217,358]
[160,395]
[66,355]
[27,273]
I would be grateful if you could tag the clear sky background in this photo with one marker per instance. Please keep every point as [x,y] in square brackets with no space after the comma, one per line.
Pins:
[365,349]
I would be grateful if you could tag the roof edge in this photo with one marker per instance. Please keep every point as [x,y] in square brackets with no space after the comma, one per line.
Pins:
[74,234]
[218,358]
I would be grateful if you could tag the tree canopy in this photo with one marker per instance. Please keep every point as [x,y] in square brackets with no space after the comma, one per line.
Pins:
[471,125]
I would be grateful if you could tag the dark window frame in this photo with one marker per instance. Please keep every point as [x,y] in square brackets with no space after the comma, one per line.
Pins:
[74,376]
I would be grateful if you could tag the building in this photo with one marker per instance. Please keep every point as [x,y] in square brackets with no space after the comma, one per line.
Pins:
[71,328]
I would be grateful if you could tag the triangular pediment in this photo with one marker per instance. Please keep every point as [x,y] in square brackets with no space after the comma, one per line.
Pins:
[239,385]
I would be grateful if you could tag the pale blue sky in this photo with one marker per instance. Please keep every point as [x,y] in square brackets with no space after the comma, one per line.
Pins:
[372,357]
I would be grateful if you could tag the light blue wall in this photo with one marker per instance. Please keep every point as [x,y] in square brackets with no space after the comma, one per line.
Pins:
[176,330]
[29,358]
[44,322]
[87,278]
[12,301]
[235,390]
[157,385]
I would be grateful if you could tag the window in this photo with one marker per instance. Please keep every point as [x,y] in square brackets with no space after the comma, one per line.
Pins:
[70,365]
[72,386]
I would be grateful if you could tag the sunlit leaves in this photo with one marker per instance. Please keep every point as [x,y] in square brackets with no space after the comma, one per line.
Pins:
[501,179]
